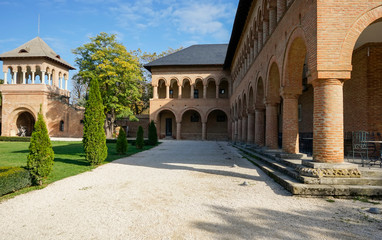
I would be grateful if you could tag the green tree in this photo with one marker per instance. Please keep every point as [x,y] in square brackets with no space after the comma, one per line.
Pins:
[41,155]
[80,90]
[139,142]
[94,139]
[121,142]
[153,136]
[118,72]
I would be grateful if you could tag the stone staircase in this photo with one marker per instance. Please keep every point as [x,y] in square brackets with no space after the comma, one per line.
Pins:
[284,171]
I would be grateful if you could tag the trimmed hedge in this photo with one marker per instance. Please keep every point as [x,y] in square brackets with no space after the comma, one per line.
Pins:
[13,179]
[15,139]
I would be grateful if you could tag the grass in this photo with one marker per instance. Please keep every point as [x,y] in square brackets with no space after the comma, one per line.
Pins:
[69,159]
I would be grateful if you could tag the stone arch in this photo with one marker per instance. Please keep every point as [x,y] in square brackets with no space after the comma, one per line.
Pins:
[355,31]
[162,88]
[198,88]
[251,101]
[14,130]
[259,112]
[211,88]
[273,83]
[186,87]
[192,121]
[174,89]
[166,120]
[217,124]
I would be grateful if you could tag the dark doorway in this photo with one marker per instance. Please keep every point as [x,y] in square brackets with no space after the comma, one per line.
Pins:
[168,127]
[25,124]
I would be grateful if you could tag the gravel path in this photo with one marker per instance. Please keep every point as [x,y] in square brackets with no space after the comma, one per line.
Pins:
[181,190]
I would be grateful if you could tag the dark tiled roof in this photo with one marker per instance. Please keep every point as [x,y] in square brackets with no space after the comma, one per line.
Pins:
[238,26]
[35,48]
[204,54]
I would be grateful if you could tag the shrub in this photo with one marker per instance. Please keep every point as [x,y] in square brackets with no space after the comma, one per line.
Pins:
[139,142]
[41,155]
[94,139]
[153,136]
[121,142]
[13,179]
[15,139]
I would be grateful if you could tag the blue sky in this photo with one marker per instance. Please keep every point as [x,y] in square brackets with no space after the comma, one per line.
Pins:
[151,25]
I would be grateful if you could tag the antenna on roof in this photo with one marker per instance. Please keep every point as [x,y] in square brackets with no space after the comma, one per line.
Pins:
[38,26]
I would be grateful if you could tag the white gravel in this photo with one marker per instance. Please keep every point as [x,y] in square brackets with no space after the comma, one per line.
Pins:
[181,190]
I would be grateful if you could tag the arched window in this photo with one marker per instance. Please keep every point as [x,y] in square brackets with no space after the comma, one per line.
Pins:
[61,126]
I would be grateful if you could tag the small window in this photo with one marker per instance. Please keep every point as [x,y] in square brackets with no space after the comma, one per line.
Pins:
[196,93]
[221,118]
[61,126]
[195,117]
[23,51]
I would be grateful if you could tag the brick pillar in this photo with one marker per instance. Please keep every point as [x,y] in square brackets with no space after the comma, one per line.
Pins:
[271,126]
[239,130]
[217,91]
[251,126]
[178,130]
[155,91]
[290,123]
[328,133]
[204,91]
[280,9]
[235,131]
[272,20]
[244,128]
[259,126]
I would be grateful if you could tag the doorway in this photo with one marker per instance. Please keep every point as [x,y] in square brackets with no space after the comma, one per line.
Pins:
[168,127]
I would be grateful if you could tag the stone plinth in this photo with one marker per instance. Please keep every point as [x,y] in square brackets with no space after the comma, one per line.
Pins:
[331,170]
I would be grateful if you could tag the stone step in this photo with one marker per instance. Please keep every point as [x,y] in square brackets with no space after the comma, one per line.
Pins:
[307,186]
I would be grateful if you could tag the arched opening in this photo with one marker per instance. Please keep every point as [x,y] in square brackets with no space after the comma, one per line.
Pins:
[25,124]
[244,120]
[260,113]
[161,89]
[166,123]
[273,130]
[363,92]
[37,75]
[62,125]
[211,88]
[174,90]
[292,89]
[217,126]
[223,89]
[198,89]
[191,125]
[186,89]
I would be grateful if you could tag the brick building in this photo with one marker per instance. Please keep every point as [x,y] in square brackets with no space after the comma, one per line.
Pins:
[292,67]
[35,75]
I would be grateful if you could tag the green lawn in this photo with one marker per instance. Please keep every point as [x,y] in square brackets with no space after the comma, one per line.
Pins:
[69,158]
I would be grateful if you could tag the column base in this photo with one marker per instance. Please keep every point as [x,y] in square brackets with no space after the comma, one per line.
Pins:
[328,170]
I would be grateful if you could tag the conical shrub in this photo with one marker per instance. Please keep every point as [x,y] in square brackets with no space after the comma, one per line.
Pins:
[153,136]
[121,142]
[139,141]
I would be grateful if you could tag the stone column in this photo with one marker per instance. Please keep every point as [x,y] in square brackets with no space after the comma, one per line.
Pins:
[66,83]
[239,130]
[259,40]
[192,92]
[328,134]
[155,92]
[280,9]
[204,130]
[244,128]
[167,92]
[204,91]
[50,78]
[236,130]
[180,92]
[290,123]
[259,126]
[24,80]
[5,77]
[42,77]
[271,126]
[255,48]
[272,19]
[14,77]
[265,30]
[33,76]
[251,126]
[217,91]
[178,130]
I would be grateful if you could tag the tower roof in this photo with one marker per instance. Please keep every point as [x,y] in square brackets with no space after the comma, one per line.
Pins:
[35,48]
